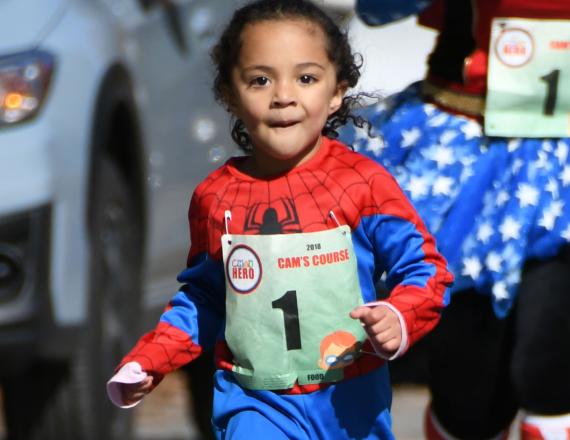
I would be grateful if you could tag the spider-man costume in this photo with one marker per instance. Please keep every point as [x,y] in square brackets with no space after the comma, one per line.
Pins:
[498,205]
[388,237]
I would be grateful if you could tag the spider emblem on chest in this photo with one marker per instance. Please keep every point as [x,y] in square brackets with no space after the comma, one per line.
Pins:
[278,218]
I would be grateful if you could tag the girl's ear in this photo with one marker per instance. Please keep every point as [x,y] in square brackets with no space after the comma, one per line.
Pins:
[336,100]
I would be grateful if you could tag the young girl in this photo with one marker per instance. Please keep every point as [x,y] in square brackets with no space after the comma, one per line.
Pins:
[287,244]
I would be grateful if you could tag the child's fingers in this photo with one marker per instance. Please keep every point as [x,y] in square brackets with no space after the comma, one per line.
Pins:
[144,384]
[365,314]
[388,334]
[388,341]
[386,320]
[382,325]
[390,346]
[370,316]
[130,398]
[134,392]
[358,312]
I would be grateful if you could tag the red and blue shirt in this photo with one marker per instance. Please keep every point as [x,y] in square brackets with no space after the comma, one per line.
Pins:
[387,234]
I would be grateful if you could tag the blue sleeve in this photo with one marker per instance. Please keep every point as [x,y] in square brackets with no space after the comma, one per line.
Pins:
[379,12]
[402,251]
[198,308]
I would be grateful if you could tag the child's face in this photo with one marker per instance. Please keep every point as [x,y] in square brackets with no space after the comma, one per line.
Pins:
[284,89]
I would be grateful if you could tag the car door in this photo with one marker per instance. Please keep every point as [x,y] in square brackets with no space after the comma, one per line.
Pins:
[186,134]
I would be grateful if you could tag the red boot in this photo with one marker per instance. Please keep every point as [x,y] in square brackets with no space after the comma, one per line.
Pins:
[535,427]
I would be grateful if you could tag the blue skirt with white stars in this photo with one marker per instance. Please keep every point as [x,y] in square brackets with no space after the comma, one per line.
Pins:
[491,202]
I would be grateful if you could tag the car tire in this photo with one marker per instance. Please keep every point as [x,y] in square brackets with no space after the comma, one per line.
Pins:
[116,233]
[57,400]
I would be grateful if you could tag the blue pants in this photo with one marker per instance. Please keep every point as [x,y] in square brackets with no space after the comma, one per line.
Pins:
[358,408]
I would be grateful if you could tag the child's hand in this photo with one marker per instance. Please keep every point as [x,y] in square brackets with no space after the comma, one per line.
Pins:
[133,392]
[382,325]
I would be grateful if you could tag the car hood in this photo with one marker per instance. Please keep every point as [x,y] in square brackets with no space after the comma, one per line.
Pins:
[23,23]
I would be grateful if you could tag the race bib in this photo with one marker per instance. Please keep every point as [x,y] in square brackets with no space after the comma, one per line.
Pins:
[528,83]
[288,298]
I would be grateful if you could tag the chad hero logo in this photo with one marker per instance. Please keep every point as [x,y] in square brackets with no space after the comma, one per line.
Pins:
[243,269]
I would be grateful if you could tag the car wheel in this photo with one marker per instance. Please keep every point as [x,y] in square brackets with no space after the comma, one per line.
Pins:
[67,400]
[115,299]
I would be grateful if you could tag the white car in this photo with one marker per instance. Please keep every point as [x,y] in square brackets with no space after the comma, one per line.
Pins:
[107,123]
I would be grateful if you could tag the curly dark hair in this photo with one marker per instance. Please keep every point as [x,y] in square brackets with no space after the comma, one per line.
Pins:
[225,56]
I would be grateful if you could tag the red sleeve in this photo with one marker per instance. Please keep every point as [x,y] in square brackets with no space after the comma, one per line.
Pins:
[162,351]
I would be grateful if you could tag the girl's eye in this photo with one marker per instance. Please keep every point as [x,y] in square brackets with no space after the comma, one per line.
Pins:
[260,81]
[307,79]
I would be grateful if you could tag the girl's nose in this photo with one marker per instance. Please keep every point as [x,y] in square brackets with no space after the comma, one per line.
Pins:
[284,95]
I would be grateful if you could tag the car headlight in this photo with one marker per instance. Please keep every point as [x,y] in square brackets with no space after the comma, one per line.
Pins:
[24,81]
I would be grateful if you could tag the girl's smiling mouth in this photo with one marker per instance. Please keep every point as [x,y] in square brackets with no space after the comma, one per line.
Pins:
[283,124]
